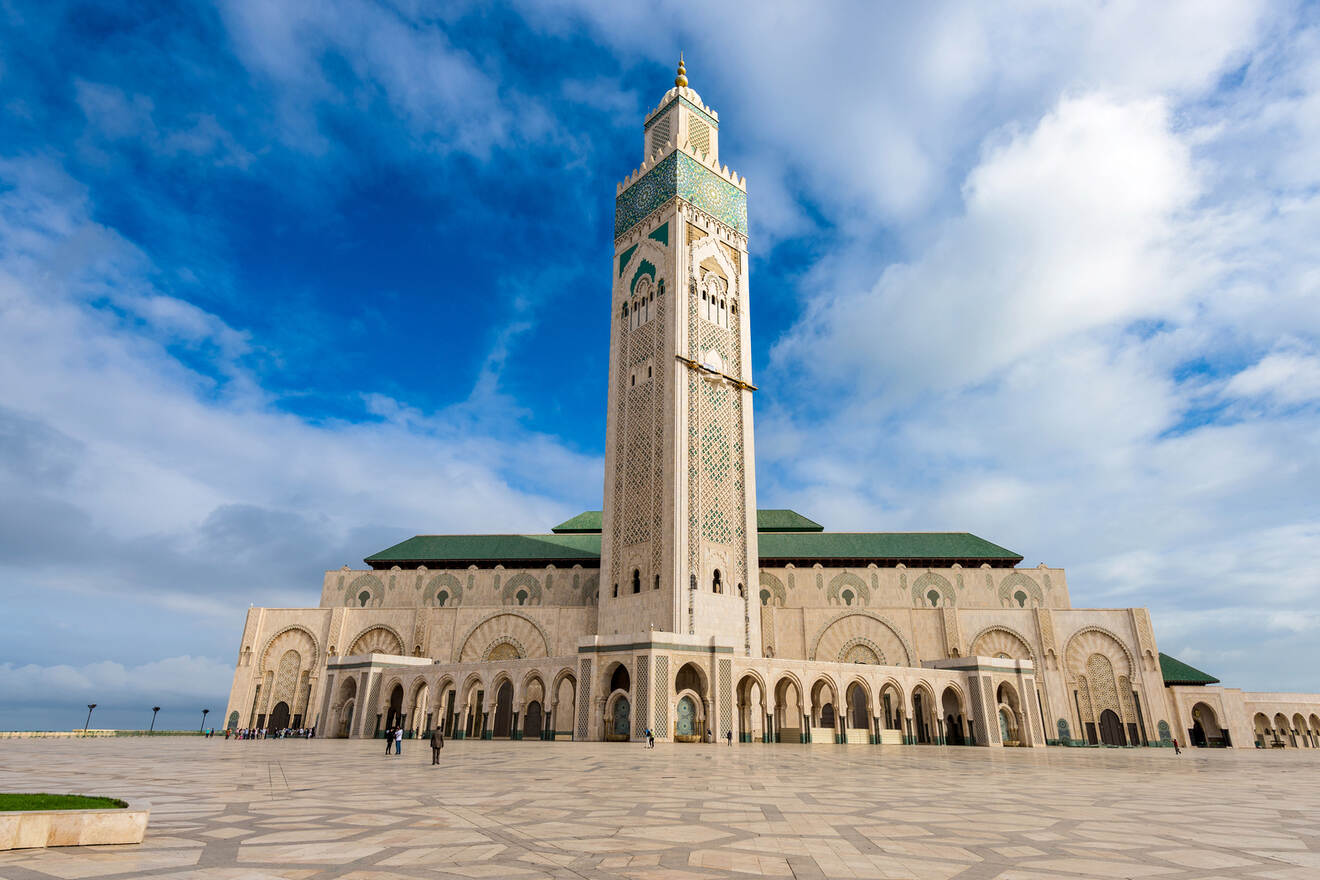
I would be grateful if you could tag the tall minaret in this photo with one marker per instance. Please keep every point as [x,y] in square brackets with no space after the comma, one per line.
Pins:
[679,550]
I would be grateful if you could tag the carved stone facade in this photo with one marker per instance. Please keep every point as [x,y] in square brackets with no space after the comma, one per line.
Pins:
[675,610]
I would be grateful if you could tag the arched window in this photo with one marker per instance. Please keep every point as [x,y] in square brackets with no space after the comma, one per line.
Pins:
[657,582]
[521,597]
[442,598]
[616,591]
[625,310]
[715,583]
[765,597]
[847,597]
[660,286]
[363,598]
[637,581]
[742,592]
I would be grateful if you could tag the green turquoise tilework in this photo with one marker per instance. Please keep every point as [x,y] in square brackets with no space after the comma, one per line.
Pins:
[624,258]
[644,269]
[680,175]
[661,234]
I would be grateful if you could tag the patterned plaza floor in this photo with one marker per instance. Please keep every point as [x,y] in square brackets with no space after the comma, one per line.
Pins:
[323,809]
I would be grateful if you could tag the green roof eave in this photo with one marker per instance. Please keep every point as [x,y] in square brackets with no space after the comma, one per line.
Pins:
[475,549]
[942,547]
[587,521]
[1176,672]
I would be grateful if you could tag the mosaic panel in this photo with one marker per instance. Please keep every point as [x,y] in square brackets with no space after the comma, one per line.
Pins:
[584,699]
[726,696]
[652,190]
[662,696]
[680,175]
[637,497]
[641,696]
[991,718]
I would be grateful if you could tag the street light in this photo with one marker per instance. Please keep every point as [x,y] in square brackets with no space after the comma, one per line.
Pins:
[88,722]
[154,710]
[205,712]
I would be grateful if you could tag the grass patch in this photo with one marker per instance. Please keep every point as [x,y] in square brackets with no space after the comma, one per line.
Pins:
[11,802]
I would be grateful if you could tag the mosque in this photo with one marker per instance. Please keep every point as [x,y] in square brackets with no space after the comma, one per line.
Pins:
[682,608]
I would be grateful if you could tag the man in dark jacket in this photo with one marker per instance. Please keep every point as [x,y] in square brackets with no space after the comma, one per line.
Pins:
[437,743]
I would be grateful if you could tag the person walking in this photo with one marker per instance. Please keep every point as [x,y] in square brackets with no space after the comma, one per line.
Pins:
[650,738]
[398,740]
[728,735]
[1176,749]
[437,743]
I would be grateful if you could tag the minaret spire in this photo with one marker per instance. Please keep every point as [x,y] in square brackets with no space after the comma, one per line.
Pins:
[681,79]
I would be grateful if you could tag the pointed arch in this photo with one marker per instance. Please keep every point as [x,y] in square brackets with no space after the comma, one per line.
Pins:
[377,639]
[503,627]
[997,639]
[830,638]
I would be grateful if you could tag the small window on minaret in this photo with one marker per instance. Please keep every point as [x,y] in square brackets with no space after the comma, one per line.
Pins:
[648,372]
[715,584]
[657,582]
[616,591]
[637,581]
[633,377]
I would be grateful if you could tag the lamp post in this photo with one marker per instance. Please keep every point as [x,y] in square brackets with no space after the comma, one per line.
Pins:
[88,722]
[205,712]
[154,710]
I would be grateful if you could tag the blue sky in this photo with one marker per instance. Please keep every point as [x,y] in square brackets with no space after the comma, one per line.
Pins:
[283,283]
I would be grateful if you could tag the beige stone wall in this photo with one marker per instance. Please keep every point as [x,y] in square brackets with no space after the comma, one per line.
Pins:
[874,586]
[422,587]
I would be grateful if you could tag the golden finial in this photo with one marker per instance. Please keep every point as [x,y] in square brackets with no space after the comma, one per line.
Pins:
[681,79]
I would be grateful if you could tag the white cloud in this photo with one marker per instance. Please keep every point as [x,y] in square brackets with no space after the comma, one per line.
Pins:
[1284,376]
[135,480]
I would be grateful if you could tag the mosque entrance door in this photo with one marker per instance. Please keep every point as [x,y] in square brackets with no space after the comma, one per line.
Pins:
[687,714]
[532,721]
[622,717]
[504,710]
[1111,730]
[279,717]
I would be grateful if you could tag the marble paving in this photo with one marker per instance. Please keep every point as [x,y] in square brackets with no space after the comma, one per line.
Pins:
[300,810]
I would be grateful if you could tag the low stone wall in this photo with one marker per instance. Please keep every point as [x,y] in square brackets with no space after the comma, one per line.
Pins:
[37,828]
[76,734]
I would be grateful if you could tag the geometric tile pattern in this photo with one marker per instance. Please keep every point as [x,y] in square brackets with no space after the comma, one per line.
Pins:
[340,809]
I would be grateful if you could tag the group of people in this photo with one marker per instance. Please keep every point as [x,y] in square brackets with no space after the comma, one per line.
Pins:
[263,733]
[394,737]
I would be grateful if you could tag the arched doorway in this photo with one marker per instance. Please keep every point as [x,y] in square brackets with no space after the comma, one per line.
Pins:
[344,719]
[504,710]
[1111,729]
[923,715]
[951,707]
[1299,725]
[395,714]
[1205,731]
[824,723]
[1282,733]
[751,709]
[788,712]
[1262,725]
[417,707]
[690,717]
[532,721]
[279,716]
[1009,710]
[563,708]
[857,727]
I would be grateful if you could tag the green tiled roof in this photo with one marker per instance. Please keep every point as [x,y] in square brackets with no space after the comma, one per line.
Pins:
[930,547]
[581,545]
[587,521]
[427,549]
[1177,672]
[785,521]
[766,521]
